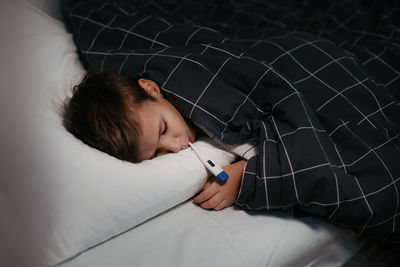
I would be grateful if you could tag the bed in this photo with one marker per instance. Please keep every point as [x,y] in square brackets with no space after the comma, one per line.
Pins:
[107,212]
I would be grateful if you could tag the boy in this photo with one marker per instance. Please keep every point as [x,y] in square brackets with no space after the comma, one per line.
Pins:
[133,121]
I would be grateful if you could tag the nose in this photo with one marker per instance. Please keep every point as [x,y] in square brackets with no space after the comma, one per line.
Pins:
[172,144]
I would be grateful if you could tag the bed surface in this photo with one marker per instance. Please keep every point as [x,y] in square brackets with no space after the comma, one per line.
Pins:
[190,236]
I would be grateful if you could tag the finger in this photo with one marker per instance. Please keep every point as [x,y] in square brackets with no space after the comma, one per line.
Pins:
[212,202]
[206,194]
[222,205]
[207,185]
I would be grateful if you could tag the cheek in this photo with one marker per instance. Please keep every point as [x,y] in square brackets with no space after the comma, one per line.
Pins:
[185,125]
[178,121]
[178,126]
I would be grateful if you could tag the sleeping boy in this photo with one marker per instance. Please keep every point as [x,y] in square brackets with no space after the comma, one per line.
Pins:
[326,128]
[131,120]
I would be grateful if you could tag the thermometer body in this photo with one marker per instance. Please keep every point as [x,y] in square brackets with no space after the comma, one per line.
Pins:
[218,172]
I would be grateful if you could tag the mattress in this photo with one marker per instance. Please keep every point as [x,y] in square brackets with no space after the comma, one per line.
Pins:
[187,235]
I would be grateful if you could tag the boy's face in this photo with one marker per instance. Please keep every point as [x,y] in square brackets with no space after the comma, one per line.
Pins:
[163,127]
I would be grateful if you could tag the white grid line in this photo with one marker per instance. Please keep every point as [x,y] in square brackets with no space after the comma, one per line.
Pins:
[330,87]
[366,202]
[120,29]
[244,101]
[212,79]
[109,53]
[355,78]
[385,166]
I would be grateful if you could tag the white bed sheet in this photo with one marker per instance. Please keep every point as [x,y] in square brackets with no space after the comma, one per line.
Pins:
[188,235]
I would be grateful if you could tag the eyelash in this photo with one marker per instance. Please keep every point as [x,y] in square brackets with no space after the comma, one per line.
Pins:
[165,130]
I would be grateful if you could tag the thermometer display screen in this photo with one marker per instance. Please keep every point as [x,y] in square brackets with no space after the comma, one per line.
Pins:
[211,163]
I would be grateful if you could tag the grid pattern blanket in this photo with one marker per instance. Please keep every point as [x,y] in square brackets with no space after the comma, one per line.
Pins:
[317,83]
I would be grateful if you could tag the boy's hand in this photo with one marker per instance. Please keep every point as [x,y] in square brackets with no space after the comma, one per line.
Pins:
[216,195]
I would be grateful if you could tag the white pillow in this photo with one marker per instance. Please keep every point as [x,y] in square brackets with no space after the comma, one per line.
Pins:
[96,196]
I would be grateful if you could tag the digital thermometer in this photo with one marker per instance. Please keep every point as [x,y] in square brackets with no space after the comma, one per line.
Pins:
[221,175]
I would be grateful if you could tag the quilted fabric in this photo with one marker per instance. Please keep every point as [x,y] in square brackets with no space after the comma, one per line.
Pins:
[316,83]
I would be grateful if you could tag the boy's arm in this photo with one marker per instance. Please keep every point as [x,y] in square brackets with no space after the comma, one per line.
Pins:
[218,196]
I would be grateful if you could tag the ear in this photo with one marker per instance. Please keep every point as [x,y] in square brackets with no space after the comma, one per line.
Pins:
[150,87]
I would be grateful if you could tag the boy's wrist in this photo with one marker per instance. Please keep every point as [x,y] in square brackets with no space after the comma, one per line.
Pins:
[241,163]
[236,169]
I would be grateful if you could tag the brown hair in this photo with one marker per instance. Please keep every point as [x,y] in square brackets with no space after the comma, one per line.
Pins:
[100,113]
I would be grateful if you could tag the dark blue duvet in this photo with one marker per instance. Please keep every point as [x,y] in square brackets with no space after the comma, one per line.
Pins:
[317,83]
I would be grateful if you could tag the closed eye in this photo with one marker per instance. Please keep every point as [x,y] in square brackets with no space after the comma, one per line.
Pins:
[165,128]
[163,131]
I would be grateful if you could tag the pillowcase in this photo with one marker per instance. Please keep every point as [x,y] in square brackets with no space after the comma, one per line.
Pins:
[96,196]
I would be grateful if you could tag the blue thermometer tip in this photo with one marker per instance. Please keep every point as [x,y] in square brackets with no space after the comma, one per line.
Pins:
[222,177]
